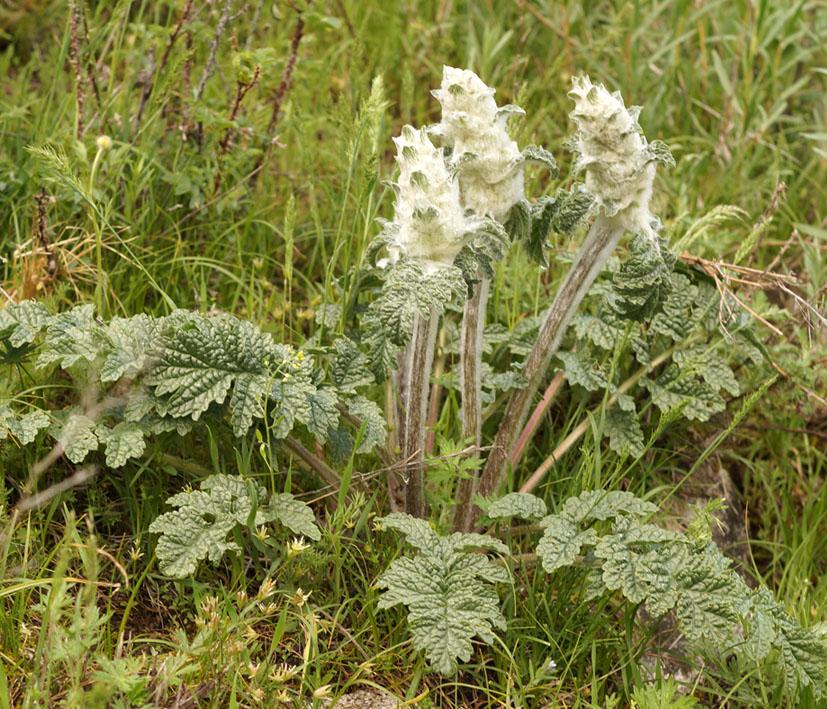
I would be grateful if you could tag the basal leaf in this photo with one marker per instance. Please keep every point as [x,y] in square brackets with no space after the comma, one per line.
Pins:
[123,441]
[517,504]
[349,368]
[602,505]
[296,516]
[445,590]
[561,542]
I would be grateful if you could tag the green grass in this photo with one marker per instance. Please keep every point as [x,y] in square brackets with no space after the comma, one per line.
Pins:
[737,89]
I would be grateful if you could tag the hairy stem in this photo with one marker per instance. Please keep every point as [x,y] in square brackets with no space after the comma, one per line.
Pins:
[418,379]
[596,249]
[396,397]
[473,322]
[436,388]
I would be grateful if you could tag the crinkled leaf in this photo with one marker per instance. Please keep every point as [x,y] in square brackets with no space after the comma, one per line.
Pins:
[674,319]
[133,345]
[602,505]
[323,413]
[123,441]
[199,528]
[189,535]
[561,542]
[538,155]
[637,560]
[673,389]
[418,533]
[444,590]
[517,504]
[21,322]
[583,369]
[77,436]
[208,358]
[644,279]
[24,428]
[711,367]
[339,444]
[296,516]
[349,368]
[518,224]
[73,336]
[623,430]
[710,598]
[370,414]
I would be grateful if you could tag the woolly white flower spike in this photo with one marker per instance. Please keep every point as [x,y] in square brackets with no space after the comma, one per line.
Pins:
[488,161]
[429,223]
[618,161]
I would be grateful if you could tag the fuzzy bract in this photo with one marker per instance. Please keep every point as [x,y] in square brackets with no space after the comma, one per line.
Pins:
[618,161]
[429,223]
[488,161]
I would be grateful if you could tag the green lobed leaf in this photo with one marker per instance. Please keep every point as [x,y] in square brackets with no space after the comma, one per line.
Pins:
[418,532]
[602,505]
[77,436]
[623,430]
[561,542]
[517,504]
[373,419]
[324,415]
[73,337]
[445,590]
[674,319]
[644,279]
[296,516]
[22,322]
[133,344]
[674,389]
[583,369]
[124,441]
[199,527]
[349,368]
[25,428]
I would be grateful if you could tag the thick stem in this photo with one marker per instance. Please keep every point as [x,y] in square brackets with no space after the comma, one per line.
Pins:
[436,388]
[596,249]
[418,380]
[398,392]
[473,322]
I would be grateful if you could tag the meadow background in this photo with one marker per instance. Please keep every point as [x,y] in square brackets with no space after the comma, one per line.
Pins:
[245,176]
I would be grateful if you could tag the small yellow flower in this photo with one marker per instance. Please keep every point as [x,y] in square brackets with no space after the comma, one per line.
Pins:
[296,547]
[300,597]
[258,694]
[266,589]
[283,672]
[322,691]
[104,142]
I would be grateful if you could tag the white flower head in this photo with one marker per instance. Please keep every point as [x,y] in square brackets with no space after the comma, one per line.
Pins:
[612,150]
[429,221]
[487,159]
[104,142]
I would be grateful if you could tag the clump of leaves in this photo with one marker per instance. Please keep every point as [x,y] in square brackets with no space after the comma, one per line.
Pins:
[204,518]
[446,589]
[153,375]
